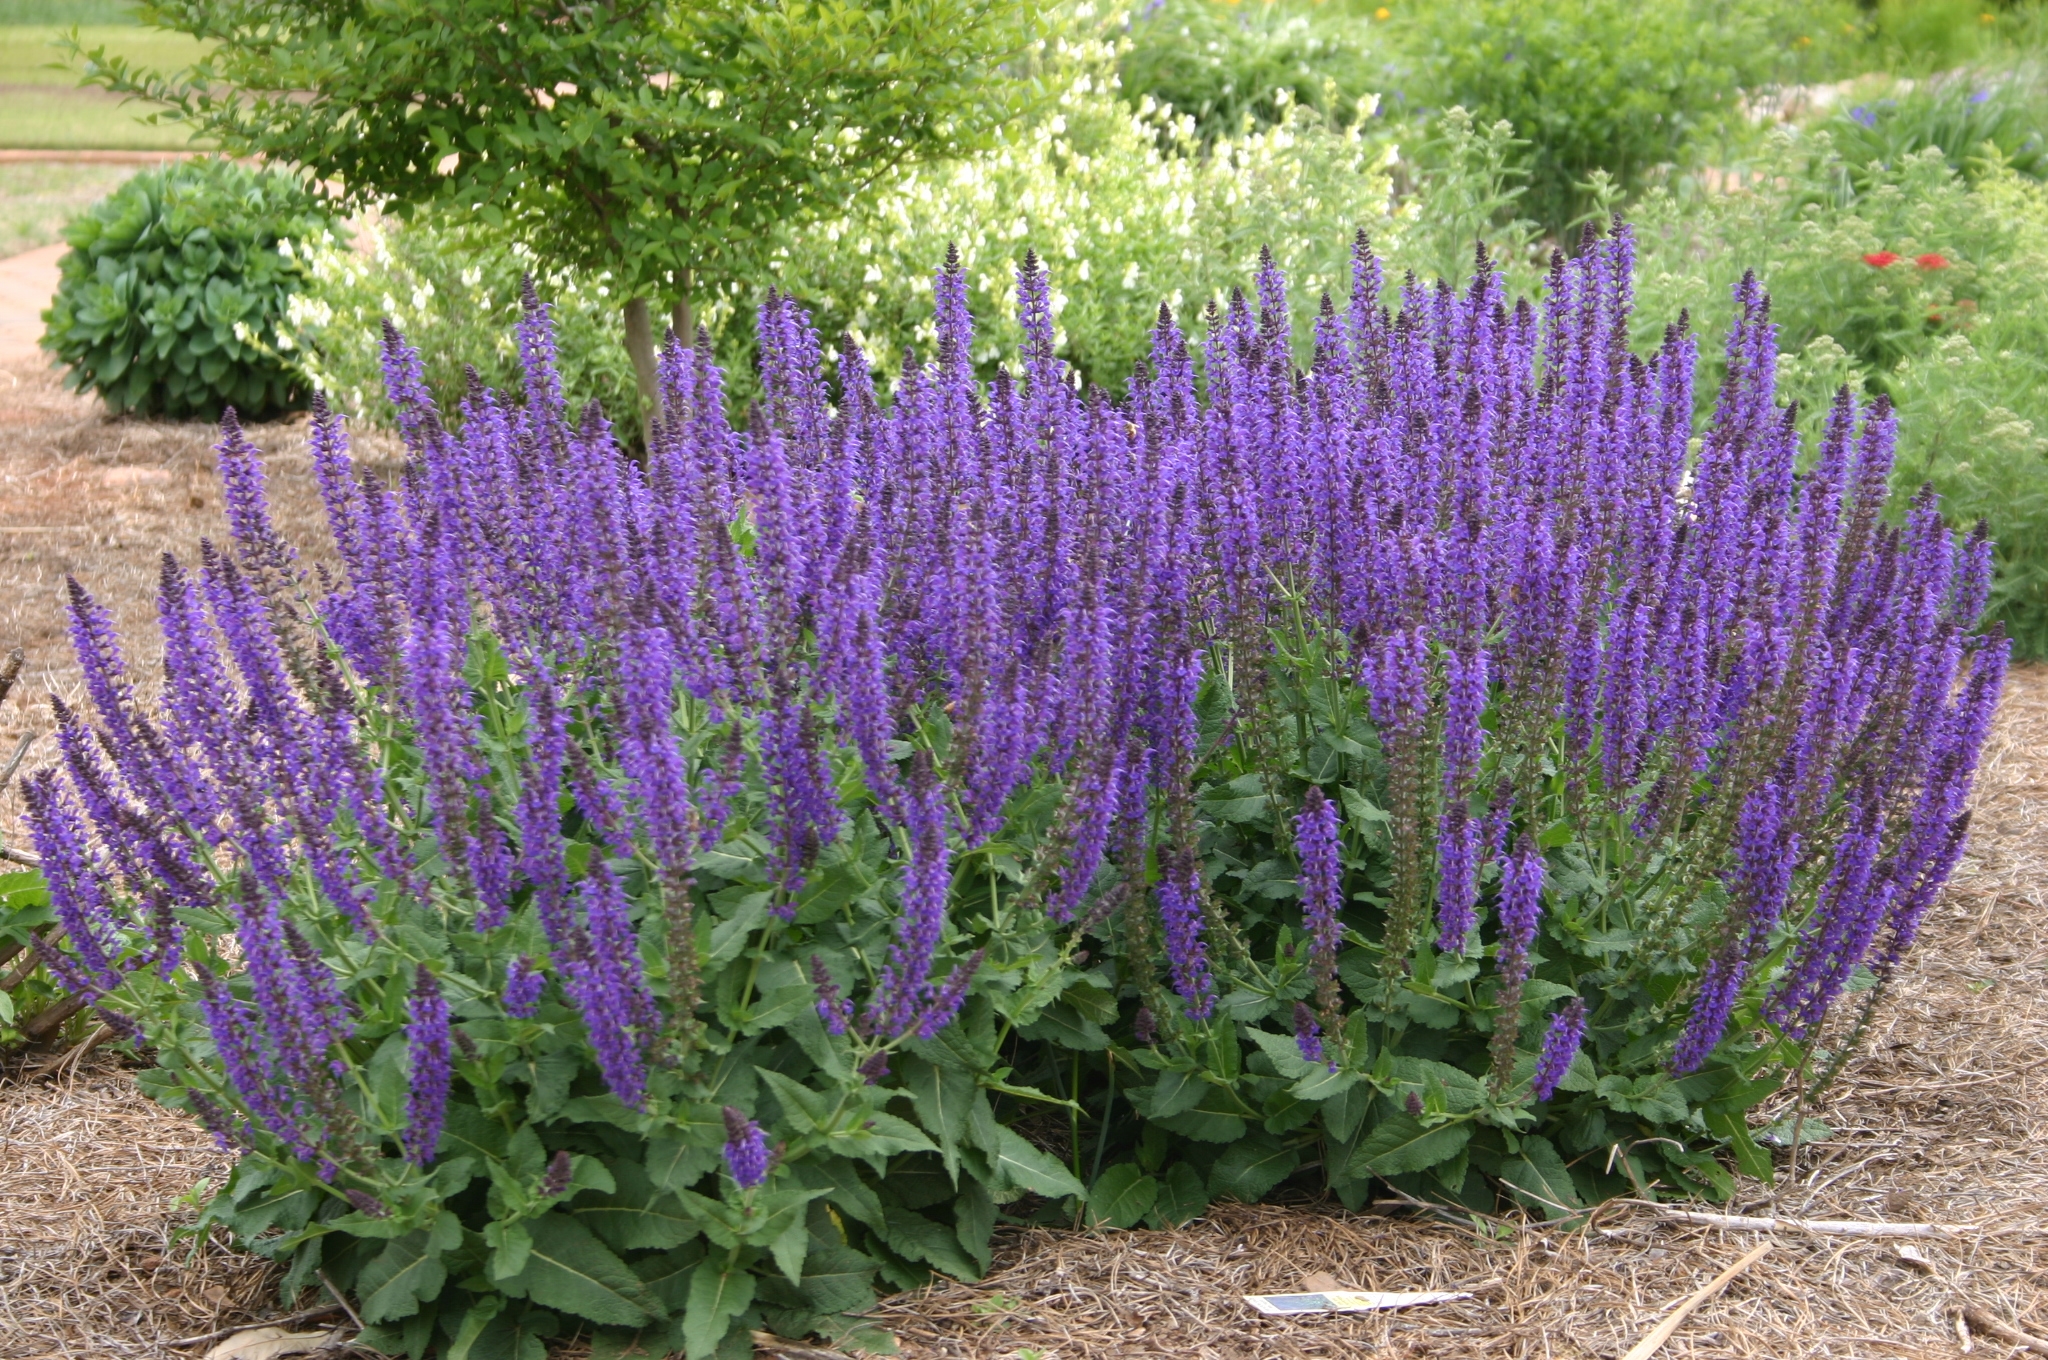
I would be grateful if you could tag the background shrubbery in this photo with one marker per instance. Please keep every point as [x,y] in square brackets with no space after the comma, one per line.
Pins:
[176,285]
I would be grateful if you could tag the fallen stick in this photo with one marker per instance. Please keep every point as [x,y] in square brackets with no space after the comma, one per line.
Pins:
[1980,1321]
[1830,1227]
[1649,1345]
[307,1315]
[8,852]
[74,1054]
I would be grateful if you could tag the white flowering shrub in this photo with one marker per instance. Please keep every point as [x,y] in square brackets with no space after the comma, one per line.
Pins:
[453,288]
[1125,204]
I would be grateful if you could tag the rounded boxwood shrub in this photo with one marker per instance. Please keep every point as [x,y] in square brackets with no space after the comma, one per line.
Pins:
[662,900]
[175,285]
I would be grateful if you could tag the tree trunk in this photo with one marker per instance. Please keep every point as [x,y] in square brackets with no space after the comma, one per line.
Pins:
[640,348]
[679,316]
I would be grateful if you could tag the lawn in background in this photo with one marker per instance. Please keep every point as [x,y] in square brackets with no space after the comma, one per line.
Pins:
[41,106]
[37,199]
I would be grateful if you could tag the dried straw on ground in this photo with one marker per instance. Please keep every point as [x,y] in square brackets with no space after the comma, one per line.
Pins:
[1943,1118]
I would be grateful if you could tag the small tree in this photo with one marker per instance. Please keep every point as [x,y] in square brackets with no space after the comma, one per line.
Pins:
[663,140]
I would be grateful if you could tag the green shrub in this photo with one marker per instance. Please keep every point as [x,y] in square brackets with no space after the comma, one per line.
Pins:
[452,285]
[172,293]
[1131,206]
[1611,85]
[659,899]
[1227,64]
[1958,113]
[1128,207]
[1960,347]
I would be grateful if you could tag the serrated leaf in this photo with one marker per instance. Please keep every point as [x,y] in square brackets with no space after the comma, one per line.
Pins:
[1027,1168]
[1402,1144]
[1537,1176]
[635,1215]
[407,1273]
[1122,1196]
[570,1270]
[836,1280]
[1183,1195]
[1248,1169]
[717,1296]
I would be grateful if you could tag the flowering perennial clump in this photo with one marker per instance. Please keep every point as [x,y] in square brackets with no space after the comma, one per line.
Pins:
[1438,764]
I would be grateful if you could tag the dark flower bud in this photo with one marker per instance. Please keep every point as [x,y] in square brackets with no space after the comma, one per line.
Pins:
[1143,1028]
[875,1068]
[1414,1103]
[368,1205]
[555,1181]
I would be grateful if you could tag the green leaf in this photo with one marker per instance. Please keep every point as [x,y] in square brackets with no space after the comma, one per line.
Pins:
[1122,1196]
[1183,1195]
[1025,1167]
[1061,1024]
[943,1097]
[717,1296]
[1402,1144]
[1731,1125]
[1248,1169]
[635,1216]
[407,1273]
[836,1280]
[572,1271]
[912,1234]
[1538,1178]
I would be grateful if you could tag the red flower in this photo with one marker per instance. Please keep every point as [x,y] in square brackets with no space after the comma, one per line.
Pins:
[1880,259]
[1930,261]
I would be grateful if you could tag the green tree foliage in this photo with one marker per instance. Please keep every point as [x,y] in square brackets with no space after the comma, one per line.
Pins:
[663,140]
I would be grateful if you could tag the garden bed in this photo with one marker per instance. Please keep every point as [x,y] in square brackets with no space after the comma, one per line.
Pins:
[1944,1118]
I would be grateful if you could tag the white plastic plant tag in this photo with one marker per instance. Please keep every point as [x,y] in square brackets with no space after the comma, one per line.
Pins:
[1344,1301]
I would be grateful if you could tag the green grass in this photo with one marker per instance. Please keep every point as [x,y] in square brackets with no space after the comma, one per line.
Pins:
[42,107]
[65,12]
[37,200]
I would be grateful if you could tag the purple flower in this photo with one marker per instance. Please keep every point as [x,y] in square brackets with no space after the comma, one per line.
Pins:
[600,971]
[426,1050]
[1308,1035]
[1560,1045]
[833,1008]
[1187,953]
[1322,881]
[905,986]
[746,1150]
[524,983]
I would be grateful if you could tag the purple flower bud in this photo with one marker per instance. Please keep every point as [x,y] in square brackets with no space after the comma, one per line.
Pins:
[1560,1045]
[1144,1028]
[1308,1035]
[746,1150]
[366,1204]
[554,1182]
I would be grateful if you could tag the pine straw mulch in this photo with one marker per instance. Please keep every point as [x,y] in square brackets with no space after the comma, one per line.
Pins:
[1943,1117]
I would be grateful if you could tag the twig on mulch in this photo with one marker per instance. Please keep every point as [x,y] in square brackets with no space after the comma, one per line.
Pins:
[1980,1321]
[1826,1227]
[1650,1344]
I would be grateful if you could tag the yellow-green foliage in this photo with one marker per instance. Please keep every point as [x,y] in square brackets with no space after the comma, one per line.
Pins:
[1128,209]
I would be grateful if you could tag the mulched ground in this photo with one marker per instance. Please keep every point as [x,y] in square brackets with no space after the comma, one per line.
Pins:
[1943,1118]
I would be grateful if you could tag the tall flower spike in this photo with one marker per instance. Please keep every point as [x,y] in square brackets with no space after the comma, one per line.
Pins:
[426,1047]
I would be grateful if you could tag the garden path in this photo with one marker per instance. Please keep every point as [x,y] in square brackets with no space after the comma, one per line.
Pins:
[27,282]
